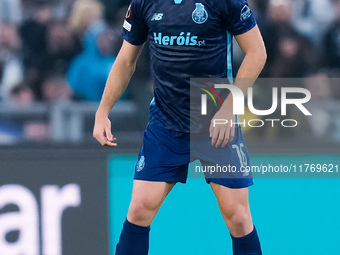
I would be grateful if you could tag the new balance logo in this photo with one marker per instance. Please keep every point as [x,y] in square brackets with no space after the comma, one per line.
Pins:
[157,16]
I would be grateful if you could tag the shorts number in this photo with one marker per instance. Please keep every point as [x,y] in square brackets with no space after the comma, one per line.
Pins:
[242,157]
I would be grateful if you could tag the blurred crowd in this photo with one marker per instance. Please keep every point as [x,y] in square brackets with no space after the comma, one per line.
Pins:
[54,50]
[62,50]
[302,36]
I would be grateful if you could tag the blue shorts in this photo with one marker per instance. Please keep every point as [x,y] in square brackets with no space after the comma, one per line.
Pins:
[166,154]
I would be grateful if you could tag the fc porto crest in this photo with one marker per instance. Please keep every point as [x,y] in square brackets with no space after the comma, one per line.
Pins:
[199,15]
[140,164]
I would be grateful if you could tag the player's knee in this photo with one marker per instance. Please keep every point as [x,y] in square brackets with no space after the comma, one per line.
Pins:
[242,218]
[143,208]
[237,215]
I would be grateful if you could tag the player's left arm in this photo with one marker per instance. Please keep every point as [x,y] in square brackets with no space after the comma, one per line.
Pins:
[255,58]
[252,45]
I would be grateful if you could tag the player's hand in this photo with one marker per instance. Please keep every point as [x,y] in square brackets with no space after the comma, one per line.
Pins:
[222,134]
[102,131]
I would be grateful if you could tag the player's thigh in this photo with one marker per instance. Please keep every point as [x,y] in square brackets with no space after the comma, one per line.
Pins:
[150,195]
[231,201]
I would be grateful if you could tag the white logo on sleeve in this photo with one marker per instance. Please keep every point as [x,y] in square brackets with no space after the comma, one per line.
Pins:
[157,16]
[128,13]
[140,164]
[127,25]
[245,13]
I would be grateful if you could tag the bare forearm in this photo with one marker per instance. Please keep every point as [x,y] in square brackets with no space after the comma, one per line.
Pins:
[253,46]
[250,69]
[119,77]
[116,84]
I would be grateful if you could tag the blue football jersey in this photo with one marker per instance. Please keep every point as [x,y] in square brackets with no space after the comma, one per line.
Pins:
[188,39]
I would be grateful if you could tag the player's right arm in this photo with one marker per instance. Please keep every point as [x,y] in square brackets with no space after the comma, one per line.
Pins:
[117,81]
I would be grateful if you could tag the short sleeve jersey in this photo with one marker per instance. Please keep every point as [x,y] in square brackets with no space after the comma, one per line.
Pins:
[188,39]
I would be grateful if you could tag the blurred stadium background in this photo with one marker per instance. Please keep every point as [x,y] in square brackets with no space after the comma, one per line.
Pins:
[55,199]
